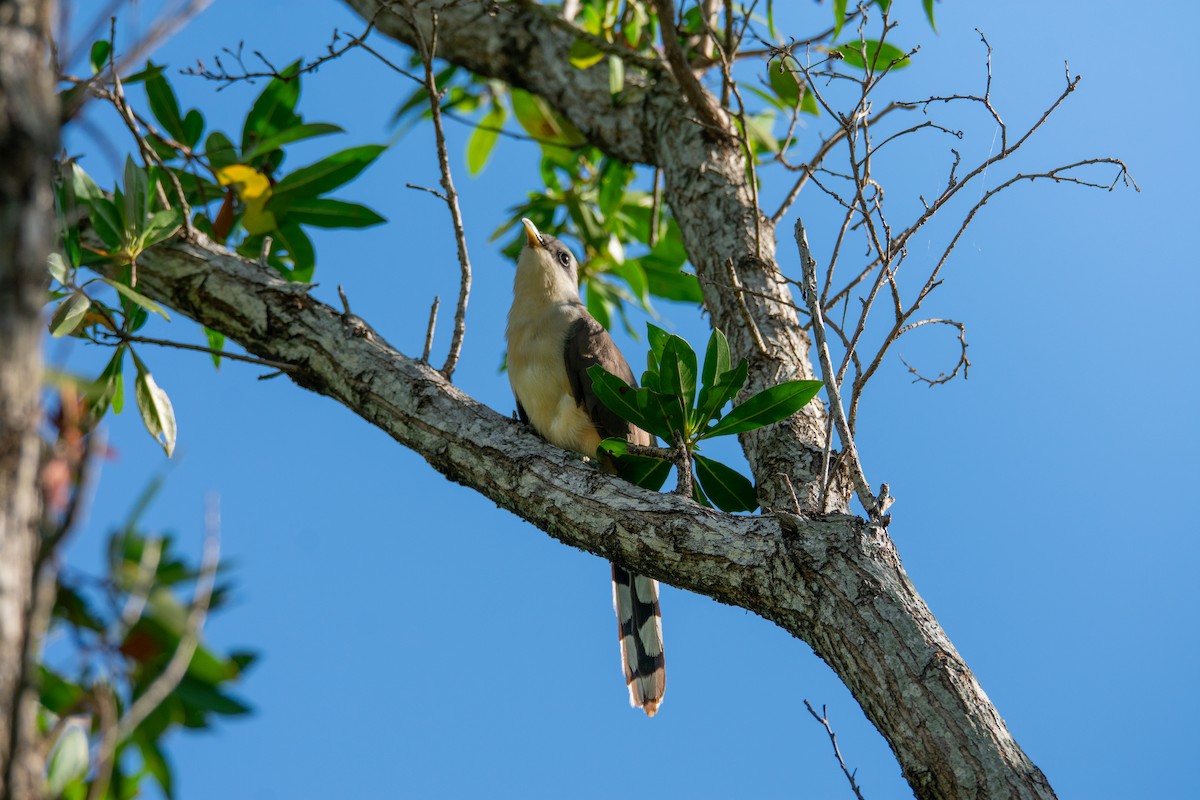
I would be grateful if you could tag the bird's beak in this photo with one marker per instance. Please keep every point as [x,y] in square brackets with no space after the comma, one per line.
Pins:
[532,237]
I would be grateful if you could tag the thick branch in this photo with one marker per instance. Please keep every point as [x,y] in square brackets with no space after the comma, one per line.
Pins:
[705,184]
[834,581]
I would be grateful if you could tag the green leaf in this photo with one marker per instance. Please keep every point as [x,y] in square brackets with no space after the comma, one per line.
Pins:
[137,297]
[839,16]
[296,133]
[616,75]
[165,106]
[884,4]
[299,251]
[728,489]
[106,220]
[137,198]
[630,404]
[614,178]
[648,472]
[274,109]
[716,361]
[98,56]
[216,341]
[677,380]
[784,82]
[808,103]
[193,127]
[727,385]
[880,56]
[323,212]
[220,151]
[324,176]
[929,13]
[767,407]
[57,267]
[644,471]
[158,415]
[484,137]
[162,226]
[584,54]
[69,314]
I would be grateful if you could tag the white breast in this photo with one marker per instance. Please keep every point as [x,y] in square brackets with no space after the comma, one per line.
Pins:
[538,375]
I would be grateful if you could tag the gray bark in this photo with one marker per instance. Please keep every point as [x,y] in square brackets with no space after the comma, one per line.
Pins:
[28,139]
[834,581]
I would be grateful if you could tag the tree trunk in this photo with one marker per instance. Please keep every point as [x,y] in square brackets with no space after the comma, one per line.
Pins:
[28,140]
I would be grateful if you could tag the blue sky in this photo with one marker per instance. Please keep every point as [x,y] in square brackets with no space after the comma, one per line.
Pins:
[417,641]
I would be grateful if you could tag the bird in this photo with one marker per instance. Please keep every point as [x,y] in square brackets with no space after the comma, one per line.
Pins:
[552,340]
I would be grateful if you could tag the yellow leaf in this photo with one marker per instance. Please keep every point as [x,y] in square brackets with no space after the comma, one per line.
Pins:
[254,190]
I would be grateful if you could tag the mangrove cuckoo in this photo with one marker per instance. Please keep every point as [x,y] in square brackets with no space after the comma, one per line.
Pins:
[552,340]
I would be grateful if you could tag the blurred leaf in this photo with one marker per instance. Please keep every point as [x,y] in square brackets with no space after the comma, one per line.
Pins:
[323,212]
[57,267]
[808,103]
[784,81]
[274,109]
[216,341]
[105,218]
[881,56]
[208,698]
[220,151]
[839,16]
[69,759]
[929,14]
[325,175]
[193,127]
[69,314]
[728,489]
[584,54]
[137,297]
[157,413]
[98,56]
[155,763]
[616,75]
[162,226]
[768,406]
[296,133]
[483,138]
[299,250]
[165,106]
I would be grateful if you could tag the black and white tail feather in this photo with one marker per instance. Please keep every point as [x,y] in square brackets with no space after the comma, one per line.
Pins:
[639,621]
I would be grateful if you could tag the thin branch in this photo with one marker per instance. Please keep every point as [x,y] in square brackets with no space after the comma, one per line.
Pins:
[262,362]
[433,309]
[823,718]
[963,363]
[808,266]
[427,48]
[703,103]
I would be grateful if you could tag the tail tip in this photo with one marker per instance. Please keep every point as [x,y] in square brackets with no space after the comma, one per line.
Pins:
[650,707]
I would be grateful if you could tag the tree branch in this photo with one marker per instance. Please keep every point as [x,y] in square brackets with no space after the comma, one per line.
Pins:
[834,581]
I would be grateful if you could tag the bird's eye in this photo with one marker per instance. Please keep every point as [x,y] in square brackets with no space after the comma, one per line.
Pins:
[564,258]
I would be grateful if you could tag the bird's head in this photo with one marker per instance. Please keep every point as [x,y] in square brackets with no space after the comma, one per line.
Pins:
[547,265]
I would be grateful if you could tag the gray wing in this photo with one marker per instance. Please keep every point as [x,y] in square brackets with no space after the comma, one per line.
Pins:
[588,343]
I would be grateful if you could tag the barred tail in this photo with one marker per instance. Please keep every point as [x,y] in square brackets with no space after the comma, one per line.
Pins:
[635,599]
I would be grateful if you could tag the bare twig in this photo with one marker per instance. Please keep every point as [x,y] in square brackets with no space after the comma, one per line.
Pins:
[433,311]
[731,271]
[428,47]
[263,362]
[963,362]
[823,718]
[703,103]
[808,266]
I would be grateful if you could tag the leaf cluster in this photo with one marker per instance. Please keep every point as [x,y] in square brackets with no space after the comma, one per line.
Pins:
[683,403]
[125,626]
